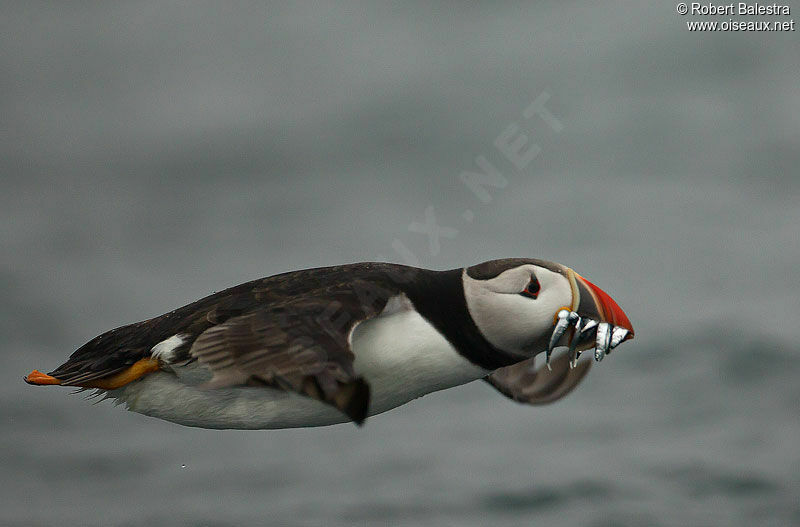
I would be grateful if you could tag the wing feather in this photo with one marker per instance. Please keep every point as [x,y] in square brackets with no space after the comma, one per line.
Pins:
[294,346]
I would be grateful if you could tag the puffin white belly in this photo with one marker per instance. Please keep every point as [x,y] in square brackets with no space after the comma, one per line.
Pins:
[177,397]
[401,356]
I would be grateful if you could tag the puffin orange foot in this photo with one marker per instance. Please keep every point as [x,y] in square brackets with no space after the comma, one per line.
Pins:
[137,369]
[41,379]
[112,382]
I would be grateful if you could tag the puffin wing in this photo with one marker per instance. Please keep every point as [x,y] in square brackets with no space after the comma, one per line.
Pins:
[300,345]
[523,383]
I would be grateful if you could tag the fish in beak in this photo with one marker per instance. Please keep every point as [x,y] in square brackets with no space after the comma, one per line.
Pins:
[594,320]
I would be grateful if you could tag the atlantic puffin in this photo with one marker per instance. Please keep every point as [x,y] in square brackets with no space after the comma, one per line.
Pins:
[335,344]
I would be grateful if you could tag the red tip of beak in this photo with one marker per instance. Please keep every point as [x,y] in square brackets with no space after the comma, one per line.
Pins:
[611,310]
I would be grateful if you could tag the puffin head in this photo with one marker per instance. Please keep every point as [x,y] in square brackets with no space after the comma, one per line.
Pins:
[524,306]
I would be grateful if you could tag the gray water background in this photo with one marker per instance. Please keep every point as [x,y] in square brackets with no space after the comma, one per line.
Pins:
[155,152]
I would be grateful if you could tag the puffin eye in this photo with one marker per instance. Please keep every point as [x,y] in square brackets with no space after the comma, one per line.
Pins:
[532,289]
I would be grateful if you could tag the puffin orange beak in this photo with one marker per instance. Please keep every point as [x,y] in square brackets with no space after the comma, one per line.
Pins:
[605,306]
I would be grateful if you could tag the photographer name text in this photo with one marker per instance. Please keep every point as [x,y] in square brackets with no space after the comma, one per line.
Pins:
[741,8]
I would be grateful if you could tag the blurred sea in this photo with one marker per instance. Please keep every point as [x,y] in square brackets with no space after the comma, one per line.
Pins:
[152,153]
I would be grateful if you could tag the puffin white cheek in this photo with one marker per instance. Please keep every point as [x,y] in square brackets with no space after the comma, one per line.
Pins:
[513,322]
[535,317]
[539,317]
[508,322]
[555,294]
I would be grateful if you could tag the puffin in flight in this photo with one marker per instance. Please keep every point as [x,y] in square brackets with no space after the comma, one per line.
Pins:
[336,344]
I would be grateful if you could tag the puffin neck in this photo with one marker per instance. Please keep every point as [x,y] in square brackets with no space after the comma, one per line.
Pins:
[439,297]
